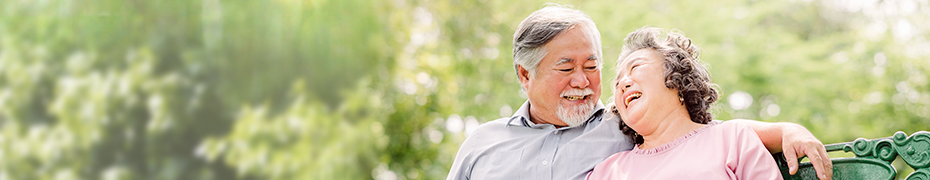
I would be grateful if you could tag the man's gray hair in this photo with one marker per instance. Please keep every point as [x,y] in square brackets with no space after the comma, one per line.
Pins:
[544,25]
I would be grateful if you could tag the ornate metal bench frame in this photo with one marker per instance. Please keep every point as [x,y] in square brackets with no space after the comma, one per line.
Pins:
[873,158]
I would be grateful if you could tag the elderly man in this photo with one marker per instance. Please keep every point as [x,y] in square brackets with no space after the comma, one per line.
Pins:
[562,131]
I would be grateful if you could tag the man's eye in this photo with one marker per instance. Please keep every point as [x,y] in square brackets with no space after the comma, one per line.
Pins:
[565,70]
[591,68]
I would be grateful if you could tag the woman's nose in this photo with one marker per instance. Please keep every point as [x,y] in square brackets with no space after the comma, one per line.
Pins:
[624,83]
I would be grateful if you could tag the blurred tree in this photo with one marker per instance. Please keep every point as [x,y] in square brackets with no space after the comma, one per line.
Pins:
[357,89]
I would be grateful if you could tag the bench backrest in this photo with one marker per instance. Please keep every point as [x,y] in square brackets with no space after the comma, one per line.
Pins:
[873,158]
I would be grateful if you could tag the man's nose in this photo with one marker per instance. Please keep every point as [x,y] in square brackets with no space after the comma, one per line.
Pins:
[579,80]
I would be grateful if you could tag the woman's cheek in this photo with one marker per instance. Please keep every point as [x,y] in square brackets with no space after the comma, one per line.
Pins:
[617,101]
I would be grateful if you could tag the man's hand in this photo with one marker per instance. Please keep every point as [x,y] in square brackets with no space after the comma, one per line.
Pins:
[794,141]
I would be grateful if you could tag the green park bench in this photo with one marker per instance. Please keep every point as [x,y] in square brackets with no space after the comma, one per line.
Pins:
[873,158]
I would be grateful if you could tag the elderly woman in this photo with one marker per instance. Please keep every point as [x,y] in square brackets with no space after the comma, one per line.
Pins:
[662,94]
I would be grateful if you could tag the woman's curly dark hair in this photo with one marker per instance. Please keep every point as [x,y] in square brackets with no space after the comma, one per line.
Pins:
[683,72]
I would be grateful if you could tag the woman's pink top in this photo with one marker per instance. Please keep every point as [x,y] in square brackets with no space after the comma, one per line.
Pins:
[715,151]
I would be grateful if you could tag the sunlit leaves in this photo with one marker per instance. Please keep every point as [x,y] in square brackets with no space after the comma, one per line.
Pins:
[356,89]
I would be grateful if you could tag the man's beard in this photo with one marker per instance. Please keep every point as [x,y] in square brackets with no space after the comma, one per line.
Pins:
[576,115]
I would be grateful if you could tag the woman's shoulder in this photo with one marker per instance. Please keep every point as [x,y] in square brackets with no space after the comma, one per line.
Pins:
[606,168]
[616,157]
[739,128]
[733,132]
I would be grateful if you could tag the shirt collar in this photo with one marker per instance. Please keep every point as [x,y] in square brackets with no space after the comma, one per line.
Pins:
[523,116]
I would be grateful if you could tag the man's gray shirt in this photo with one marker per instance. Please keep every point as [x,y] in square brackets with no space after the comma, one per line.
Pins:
[516,148]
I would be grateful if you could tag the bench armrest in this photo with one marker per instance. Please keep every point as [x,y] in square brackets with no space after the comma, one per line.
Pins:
[873,158]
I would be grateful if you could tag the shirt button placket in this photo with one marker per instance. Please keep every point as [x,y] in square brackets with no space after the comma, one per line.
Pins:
[554,139]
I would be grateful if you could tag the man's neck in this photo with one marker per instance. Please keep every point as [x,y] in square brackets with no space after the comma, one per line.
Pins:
[545,118]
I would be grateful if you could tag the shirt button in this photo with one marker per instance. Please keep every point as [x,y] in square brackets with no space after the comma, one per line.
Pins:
[545,162]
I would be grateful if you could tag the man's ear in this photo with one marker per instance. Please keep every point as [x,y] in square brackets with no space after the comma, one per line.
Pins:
[524,76]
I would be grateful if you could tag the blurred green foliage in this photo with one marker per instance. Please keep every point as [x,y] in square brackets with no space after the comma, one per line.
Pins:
[357,89]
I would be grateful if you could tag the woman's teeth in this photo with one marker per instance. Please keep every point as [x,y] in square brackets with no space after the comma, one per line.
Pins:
[631,98]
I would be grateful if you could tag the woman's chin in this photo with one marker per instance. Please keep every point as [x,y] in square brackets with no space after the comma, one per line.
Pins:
[631,118]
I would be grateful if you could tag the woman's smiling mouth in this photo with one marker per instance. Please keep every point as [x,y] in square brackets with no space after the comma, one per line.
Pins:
[631,97]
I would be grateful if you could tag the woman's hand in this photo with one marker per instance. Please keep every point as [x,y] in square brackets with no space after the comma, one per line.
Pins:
[798,142]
